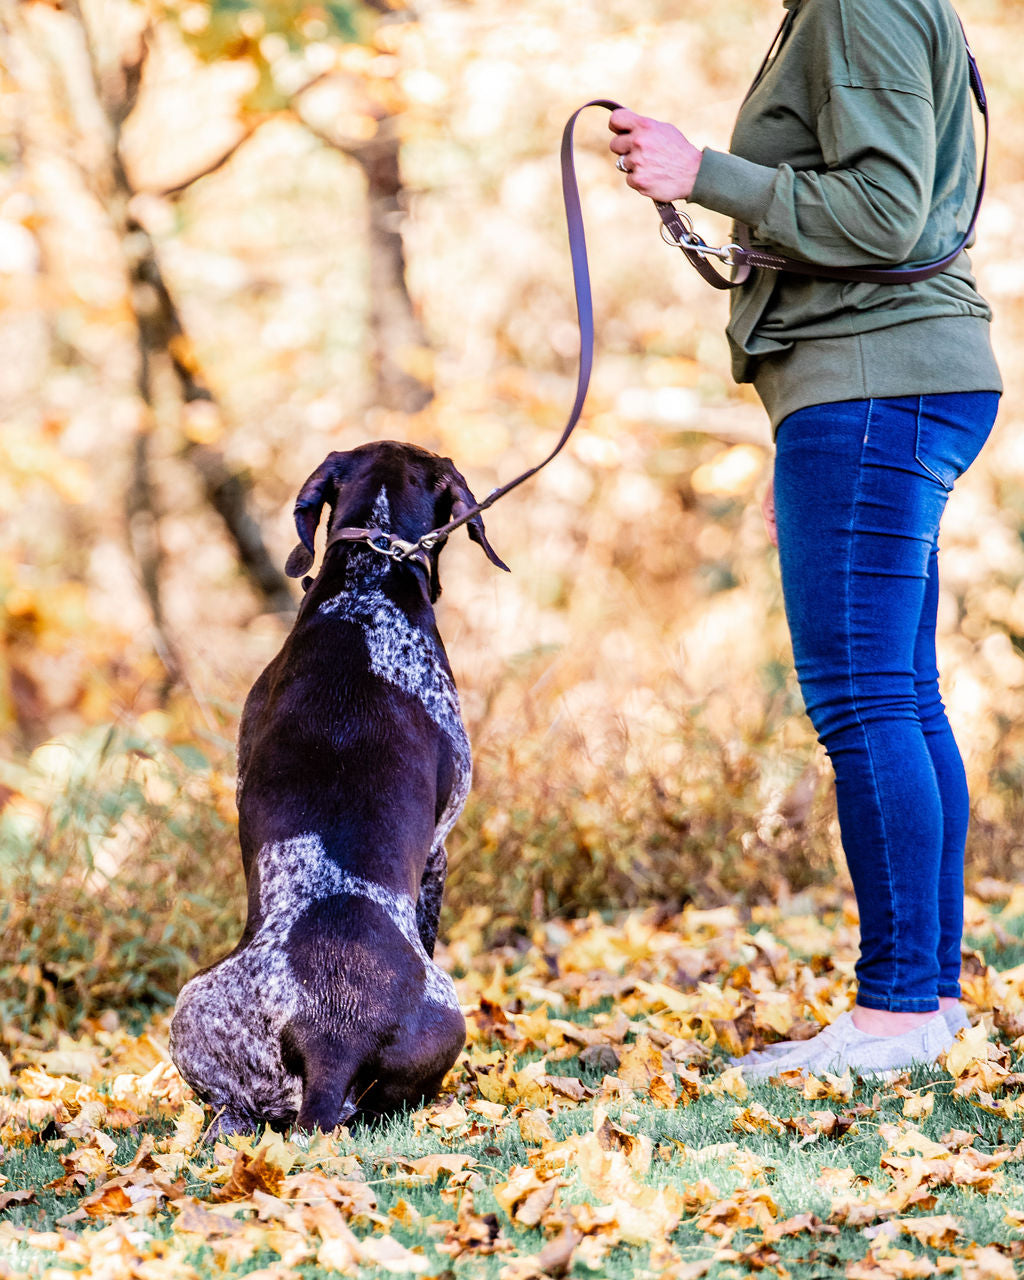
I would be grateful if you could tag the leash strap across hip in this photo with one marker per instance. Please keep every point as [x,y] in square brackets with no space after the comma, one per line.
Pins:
[678,229]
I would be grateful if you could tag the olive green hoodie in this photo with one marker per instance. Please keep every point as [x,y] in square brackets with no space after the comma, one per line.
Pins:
[856,148]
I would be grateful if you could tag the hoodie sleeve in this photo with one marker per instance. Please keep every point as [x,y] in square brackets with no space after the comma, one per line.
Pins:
[868,206]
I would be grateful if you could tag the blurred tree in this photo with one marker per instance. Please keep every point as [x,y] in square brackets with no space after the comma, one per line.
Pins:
[289,48]
[282,39]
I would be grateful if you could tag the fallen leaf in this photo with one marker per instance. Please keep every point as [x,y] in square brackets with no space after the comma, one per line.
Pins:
[757,1119]
[248,1174]
[25,1196]
[525,1196]
[433,1166]
[534,1127]
[938,1232]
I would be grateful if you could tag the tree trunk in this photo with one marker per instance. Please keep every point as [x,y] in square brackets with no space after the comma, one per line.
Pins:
[398,341]
[162,336]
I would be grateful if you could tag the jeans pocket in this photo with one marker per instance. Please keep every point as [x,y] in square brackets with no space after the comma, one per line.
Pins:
[951,429]
[932,451]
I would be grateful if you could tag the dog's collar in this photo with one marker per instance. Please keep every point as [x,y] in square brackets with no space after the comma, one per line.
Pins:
[385,544]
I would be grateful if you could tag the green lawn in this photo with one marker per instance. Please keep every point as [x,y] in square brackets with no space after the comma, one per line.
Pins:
[590,1129]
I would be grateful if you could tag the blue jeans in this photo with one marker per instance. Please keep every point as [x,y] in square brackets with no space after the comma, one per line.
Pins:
[860,487]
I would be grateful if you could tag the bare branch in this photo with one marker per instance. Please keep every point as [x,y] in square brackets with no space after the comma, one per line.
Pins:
[179,189]
[132,68]
[319,78]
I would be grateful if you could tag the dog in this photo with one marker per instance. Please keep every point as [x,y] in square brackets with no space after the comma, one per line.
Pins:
[353,765]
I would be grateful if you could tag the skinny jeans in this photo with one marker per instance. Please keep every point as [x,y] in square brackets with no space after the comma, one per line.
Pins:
[860,488]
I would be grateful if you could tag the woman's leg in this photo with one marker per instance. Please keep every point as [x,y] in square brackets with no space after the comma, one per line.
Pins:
[952,780]
[951,431]
[857,518]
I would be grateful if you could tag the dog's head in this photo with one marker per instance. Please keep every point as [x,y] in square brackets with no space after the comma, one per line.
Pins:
[412,490]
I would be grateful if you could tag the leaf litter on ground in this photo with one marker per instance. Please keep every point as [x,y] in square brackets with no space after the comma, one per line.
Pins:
[592,1126]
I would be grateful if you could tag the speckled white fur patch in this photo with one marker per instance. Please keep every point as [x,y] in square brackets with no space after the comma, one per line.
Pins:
[405,657]
[255,989]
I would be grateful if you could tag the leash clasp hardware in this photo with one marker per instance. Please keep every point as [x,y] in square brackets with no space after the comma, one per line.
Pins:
[390,546]
[399,549]
[689,239]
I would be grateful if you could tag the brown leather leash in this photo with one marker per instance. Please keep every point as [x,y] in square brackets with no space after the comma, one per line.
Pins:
[678,229]
[398,550]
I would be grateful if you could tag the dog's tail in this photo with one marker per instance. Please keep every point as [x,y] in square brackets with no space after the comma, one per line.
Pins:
[330,1073]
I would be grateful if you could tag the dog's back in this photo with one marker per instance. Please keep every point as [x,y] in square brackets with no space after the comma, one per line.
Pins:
[353,766]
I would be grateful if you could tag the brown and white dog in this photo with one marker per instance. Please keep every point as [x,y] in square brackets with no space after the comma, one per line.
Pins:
[353,766]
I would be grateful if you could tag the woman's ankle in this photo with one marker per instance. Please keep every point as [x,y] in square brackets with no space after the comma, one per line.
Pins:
[888,1022]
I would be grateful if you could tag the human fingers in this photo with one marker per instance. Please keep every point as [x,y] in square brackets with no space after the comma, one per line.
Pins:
[622,120]
[620,144]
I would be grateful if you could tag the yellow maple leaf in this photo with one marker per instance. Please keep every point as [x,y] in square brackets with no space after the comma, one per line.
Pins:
[188,1128]
[757,1119]
[838,1088]
[432,1166]
[891,1264]
[730,1082]
[449,1118]
[746,1209]
[526,1195]
[986,1262]
[534,1127]
[386,1252]
[971,1045]
[640,1063]
[918,1106]
[528,1084]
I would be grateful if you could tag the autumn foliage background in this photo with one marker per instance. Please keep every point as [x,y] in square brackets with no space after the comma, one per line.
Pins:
[236,236]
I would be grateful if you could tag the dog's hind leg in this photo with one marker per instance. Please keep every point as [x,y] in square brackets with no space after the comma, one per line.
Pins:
[412,1067]
[329,1093]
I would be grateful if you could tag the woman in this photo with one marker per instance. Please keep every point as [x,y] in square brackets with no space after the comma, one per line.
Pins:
[855,148]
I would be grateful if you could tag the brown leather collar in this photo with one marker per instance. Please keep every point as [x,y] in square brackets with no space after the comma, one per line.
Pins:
[385,544]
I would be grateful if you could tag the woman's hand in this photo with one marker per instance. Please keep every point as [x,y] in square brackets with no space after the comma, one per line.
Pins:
[768,511]
[659,162]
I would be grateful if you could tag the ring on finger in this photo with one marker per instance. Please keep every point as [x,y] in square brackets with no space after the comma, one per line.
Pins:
[620,164]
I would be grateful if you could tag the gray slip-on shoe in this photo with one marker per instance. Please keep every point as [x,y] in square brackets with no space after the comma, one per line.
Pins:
[842,1045]
[955,1017]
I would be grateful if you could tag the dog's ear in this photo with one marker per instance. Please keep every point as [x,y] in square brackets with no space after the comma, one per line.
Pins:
[320,489]
[462,501]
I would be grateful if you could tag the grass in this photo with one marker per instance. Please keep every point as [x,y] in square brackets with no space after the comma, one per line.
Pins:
[725,1164]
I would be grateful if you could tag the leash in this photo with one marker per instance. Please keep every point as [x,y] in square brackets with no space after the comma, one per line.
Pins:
[677,227]
[677,230]
[396,548]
